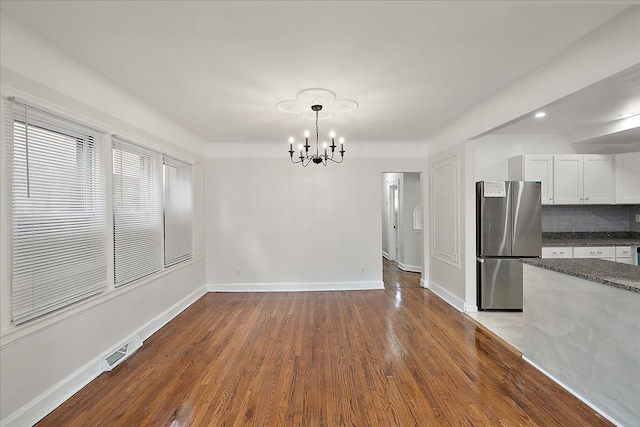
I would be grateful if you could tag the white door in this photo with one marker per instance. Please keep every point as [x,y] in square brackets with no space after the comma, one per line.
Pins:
[598,179]
[568,179]
[627,167]
[539,167]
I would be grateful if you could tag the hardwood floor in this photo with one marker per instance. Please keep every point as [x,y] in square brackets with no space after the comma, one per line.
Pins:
[399,356]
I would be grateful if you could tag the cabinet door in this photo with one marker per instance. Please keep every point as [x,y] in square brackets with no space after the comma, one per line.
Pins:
[568,179]
[557,252]
[627,168]
[540,168]
[623,251]
[608,252]
[598,179]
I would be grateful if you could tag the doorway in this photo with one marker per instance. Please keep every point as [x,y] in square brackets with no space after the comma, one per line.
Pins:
[402,239]
[393,222]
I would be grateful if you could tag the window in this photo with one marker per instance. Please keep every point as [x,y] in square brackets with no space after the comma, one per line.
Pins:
[178,212]
[137,211]
[58,213]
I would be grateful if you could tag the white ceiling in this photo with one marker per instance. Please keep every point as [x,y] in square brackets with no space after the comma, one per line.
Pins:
[592,115]
[219,68]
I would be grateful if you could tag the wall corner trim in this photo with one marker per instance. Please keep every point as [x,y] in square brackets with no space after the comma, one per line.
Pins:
[470,308]
[294,286]
[50,399]
[450,298]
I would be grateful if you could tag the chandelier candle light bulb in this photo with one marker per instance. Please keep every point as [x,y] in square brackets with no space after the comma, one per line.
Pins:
[306,141]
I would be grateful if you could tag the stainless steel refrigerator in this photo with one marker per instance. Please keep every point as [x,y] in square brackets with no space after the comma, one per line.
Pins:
[508,216]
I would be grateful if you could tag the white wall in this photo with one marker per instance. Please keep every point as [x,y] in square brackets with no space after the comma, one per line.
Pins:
[445,253]
[48,359]
[288,227]
[613,47]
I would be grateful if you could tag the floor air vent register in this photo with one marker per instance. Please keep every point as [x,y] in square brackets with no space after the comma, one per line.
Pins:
[116,357]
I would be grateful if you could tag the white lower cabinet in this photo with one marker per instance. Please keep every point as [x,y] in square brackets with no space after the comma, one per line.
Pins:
[620,254]
[557,252]
[594,252]
[624,255]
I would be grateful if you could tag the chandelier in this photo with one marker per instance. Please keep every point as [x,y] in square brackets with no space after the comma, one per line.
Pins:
[316,104]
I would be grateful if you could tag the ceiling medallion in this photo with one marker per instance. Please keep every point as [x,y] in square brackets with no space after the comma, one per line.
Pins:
[316,104]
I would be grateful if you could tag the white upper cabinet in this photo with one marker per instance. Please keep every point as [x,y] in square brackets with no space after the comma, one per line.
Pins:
[568,185]
[534,167]
[599,184]
[583,179]
[627,178]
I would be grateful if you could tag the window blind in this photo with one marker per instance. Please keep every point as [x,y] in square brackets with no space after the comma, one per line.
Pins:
[137,211]
[178,211]
[58,213]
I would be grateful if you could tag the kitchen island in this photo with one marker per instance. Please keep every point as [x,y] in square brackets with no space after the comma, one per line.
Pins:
[581,321]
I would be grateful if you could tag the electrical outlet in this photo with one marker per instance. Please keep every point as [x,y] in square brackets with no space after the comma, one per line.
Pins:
[362,270]
[238,271]
[637,217]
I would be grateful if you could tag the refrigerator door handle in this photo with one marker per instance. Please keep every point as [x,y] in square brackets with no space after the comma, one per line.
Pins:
[480,260]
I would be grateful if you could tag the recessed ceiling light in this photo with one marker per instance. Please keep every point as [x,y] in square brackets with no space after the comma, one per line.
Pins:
[540,114]
[627,115]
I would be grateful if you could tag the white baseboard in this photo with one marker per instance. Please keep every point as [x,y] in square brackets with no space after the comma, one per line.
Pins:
[423,283]
[169,314]
[294,287]
[385,255]
[453,300]
[50,399]
[564,386]
[470,308]
[408,267]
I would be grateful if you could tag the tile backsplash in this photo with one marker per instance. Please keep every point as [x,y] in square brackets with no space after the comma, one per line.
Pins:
[633,211]
[572,218]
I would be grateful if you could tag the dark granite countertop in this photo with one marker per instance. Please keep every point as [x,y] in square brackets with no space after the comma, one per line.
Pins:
[623,276]
[591,239]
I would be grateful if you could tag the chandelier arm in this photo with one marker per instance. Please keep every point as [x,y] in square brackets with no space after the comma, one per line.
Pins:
[336,161]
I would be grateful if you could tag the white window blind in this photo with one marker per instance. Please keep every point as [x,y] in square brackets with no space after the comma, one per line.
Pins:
[178,211]
[58,213]
[137,211]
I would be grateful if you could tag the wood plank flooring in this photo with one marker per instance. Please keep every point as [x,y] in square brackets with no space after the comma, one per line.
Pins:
[394,357]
